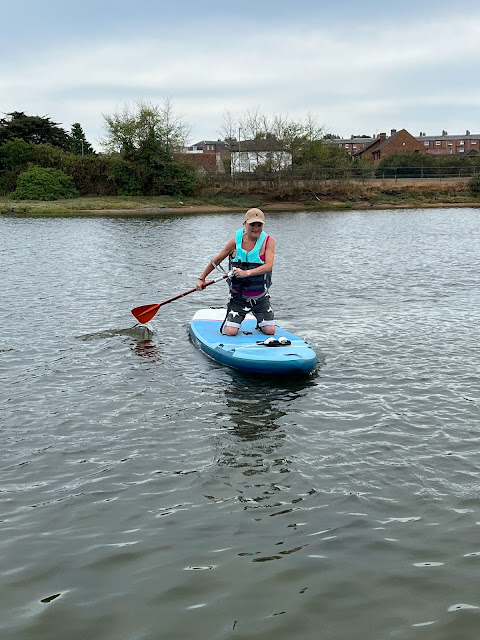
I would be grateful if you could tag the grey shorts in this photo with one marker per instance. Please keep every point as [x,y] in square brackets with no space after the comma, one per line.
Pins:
[260,307]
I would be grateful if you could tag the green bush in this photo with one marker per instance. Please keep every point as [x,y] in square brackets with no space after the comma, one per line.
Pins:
[39,183]
[474,185]
[173,179]
[124,176]
[92,174]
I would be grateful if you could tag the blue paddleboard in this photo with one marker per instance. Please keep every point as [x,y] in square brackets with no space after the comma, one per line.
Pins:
[251,350]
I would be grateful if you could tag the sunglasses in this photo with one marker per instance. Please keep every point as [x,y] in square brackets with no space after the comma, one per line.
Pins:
[256,224]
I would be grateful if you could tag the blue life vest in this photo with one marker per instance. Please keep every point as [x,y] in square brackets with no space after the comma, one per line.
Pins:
[252,286]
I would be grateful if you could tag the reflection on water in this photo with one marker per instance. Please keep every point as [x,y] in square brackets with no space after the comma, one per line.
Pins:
[253,439]
[146,349]
[256,404]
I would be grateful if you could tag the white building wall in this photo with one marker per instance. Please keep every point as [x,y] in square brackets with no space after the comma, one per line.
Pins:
[248,161]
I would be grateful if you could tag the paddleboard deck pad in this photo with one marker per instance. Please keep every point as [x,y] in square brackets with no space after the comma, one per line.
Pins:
[251,350]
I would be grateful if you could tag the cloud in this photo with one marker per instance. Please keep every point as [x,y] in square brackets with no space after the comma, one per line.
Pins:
[347,76]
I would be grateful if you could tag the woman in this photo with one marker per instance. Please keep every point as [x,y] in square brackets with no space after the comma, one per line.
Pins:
[251,254]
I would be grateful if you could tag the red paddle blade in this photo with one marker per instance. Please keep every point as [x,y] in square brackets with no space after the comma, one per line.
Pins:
[146,313]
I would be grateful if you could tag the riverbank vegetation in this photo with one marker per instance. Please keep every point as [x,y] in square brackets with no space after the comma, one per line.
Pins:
[141,168]
[314,196]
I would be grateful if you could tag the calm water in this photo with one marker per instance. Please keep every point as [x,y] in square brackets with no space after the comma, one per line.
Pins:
[147,492]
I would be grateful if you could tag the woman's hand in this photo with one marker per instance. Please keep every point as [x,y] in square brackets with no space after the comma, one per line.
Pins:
[200,284]
[240,273]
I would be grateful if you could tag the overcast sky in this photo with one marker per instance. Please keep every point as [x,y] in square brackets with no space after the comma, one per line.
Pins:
[358,66]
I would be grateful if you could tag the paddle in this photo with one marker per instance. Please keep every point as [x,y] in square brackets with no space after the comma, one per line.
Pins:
[145,313]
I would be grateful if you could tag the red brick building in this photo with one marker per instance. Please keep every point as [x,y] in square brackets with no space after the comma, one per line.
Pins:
[207,155]
[469,144]
[383,146]
[350,145]
[204,162]
[210,146]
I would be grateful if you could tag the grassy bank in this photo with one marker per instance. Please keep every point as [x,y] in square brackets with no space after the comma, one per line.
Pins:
[315,196]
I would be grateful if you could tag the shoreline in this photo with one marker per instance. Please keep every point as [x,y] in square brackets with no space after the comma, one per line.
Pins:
[22,211]
[293,207]
[368,195]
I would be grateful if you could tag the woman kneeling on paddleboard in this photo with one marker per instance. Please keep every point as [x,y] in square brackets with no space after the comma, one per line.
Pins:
[251,254]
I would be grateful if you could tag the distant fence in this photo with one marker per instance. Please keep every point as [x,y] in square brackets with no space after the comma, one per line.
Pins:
[324,174]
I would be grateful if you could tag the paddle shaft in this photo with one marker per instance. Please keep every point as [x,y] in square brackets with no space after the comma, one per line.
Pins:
[146,312]
[186,293]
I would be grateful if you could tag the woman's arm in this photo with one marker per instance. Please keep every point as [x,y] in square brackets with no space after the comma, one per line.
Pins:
[226,251]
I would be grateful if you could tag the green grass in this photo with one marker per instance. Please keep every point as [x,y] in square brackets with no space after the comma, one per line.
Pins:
[83,204]
[89,203]
[123,203]
[242,201]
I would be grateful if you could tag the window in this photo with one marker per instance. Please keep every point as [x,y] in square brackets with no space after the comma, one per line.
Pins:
[354,146]
[461,151]
[473,141]
[426,143]
[450,144]
[438,143]
[346,146]
[462,142]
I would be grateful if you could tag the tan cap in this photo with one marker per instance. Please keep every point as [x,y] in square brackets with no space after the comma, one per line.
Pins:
[254,215]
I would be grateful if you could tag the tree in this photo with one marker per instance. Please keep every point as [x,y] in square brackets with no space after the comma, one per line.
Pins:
[133,126]
[78,143]
[15,154]
[34,129]
[228,128]
[145,138]
[278,135]
[317,153]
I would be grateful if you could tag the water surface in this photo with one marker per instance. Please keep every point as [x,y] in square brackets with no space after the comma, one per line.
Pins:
[148,492]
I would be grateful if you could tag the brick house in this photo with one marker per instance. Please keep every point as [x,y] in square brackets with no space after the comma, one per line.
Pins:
[210,146]
[204,162]
[383,146]
[207,155]
[469,144]
[350,145]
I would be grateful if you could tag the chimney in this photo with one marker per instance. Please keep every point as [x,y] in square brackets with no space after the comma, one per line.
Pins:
[382,136]
[393,131]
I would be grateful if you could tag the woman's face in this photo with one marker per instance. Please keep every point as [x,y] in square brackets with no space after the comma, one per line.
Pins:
[255,228]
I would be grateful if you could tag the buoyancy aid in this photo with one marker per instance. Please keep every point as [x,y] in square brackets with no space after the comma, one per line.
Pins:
[252,286]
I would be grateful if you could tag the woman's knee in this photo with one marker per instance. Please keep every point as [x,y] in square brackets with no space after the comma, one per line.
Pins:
[268,329]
